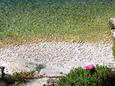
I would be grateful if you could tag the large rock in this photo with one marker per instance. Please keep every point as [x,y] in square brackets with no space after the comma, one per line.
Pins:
[112,26]
[112,23]
[54,71]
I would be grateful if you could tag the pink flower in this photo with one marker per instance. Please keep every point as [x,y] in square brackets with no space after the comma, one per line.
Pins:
[90,67]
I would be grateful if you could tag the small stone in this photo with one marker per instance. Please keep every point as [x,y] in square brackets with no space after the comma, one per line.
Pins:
[61,73]
[36,74]
[51,82]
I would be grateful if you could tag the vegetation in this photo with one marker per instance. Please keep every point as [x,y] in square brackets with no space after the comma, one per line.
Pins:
[39,67]
[101,76]
[23,21]
[113,47]
[18,77]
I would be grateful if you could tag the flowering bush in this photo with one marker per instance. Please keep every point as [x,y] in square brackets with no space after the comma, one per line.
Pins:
[90,67]
[91,76]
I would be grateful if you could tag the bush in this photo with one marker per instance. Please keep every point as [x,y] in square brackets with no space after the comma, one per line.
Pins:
[101,76]
[20,77]
[39,67]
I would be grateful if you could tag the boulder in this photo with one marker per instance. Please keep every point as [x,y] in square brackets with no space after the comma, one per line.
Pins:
[112,23]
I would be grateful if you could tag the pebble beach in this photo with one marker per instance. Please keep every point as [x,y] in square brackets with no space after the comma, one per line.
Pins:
[57,57]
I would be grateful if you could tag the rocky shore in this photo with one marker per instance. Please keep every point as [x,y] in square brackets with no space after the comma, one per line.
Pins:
[58,58]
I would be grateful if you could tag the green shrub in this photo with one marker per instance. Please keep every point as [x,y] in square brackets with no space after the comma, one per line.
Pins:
[20,77]
[39,67]
[102,76]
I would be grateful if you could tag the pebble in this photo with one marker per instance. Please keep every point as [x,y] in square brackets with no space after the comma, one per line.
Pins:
[59,57]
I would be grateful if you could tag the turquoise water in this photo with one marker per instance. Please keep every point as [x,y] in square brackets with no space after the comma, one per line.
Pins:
[50,2]
[57,17]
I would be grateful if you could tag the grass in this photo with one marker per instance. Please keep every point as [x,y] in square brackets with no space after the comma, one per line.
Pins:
[113,47]
[25,21]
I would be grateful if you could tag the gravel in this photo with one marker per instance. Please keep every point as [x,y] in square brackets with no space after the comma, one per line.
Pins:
[58,57]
